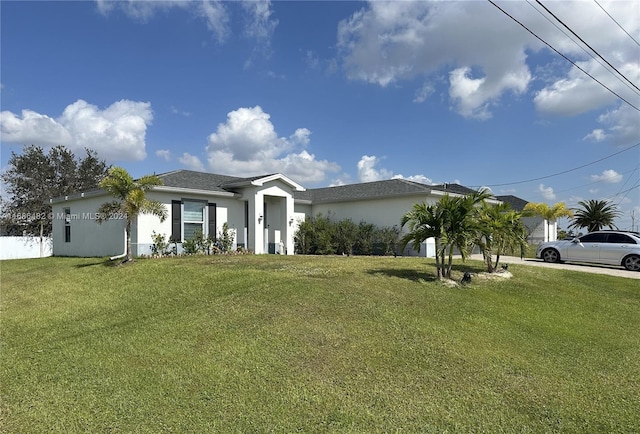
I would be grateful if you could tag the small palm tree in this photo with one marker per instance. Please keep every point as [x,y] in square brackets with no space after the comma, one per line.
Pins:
[595,215]
[131,199]
[500,230]
[424,221]
[460,223]
[450,222]
[550,214]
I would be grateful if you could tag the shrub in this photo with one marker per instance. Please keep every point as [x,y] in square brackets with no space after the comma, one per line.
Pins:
[161,247]
[320,235]
[226,238]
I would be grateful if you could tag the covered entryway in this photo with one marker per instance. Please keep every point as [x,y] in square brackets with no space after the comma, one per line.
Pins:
[269,214]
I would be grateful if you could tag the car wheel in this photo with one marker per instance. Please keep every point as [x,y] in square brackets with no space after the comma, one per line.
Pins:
[550,255]
[632,263]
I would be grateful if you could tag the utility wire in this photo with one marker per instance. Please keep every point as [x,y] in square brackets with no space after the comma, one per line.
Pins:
[564,171]
[559,53]
[625,193]
[580,46]
[585,43]
[614,20]
[627,180]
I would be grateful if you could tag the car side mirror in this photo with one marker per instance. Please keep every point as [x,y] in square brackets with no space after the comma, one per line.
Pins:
[575,240]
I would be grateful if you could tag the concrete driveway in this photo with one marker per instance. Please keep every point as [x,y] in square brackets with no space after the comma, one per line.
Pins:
[587,268]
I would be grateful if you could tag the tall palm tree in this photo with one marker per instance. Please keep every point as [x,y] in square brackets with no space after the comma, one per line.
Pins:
[595,215]
[550,214]
[130,200]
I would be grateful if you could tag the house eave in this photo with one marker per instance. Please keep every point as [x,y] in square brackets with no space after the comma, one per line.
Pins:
[166,189]
[259,182]
[76,196]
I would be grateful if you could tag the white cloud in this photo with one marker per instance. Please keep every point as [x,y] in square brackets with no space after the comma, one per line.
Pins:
[415,178]
[142,10]
[300,137]
[388,42]
[484,53]
[165,154]
[368,170]
[547,192]
[248,144]
[424,92]
[117,133]
[215,14]
[177,111]
[622,125]
[609,176]
[260,24]
[597,135]
[191,161]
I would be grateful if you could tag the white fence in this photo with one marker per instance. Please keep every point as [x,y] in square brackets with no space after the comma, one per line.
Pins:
[25,247]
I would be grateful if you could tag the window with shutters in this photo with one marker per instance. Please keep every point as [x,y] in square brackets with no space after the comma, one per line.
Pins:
[189,216]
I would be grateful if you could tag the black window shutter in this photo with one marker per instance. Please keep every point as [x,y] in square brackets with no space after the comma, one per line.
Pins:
[176,220]
[212,222]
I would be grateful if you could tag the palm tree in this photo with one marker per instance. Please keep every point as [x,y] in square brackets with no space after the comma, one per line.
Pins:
[424,221]
[449,221]
[500,230]
[594,215]
[550,214]
[460,225]
[131,199]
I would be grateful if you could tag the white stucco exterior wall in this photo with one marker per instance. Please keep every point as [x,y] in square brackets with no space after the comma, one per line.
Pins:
[381,212]
[88,238]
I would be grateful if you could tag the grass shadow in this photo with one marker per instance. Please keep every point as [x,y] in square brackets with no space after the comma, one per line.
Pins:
[104,262]
[407,273]
[429,276]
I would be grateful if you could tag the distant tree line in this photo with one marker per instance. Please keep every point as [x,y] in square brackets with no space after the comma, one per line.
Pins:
[321,235]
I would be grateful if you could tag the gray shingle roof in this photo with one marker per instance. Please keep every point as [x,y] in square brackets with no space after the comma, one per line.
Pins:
[516,203]
[376,189]
[198,180]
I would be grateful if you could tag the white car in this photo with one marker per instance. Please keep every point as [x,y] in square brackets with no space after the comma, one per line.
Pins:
[601,247]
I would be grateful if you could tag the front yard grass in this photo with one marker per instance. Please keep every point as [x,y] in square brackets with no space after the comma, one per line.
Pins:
[314,344]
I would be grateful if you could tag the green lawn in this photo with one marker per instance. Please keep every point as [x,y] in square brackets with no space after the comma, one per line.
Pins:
[314,344]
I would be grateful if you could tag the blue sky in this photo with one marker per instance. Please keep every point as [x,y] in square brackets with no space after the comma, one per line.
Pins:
[333,93]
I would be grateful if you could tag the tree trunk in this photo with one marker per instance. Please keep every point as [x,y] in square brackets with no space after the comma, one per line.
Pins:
[497,261]
[439,258]
[128,230]
[450,262]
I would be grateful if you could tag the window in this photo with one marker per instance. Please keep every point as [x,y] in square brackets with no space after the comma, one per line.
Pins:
[189,216]
[67,225]
[620,239]
[193,218]
[597,237]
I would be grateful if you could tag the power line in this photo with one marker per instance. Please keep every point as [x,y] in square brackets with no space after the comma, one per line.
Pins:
[618,77]
[562,55]
[564,171]
[614,20]
[626,180]
[585,43]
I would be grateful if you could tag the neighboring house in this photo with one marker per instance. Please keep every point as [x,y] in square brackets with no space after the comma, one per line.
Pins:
[538,229]
[263,212]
